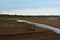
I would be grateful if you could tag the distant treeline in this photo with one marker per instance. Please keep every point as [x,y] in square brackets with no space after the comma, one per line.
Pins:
[26,16]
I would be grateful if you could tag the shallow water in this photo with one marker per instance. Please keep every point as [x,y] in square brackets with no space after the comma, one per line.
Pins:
[57,30]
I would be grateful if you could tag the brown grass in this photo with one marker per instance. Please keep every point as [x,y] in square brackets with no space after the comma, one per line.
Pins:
[39,34]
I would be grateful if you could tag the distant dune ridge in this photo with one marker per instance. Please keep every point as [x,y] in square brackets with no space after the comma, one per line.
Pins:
[41,11]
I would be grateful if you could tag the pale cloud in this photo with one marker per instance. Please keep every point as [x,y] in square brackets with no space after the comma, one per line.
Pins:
[41,11]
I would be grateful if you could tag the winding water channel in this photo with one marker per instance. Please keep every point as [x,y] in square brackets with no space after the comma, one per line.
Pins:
[56,30]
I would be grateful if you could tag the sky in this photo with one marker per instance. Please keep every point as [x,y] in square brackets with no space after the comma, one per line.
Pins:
[30,7]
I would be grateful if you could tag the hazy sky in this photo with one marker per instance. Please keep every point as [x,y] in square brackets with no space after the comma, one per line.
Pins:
[30,7]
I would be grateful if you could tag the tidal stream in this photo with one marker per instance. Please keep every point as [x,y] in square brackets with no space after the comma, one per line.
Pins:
[56,30]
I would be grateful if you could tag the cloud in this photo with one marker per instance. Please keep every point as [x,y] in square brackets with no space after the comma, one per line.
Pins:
[41,11]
